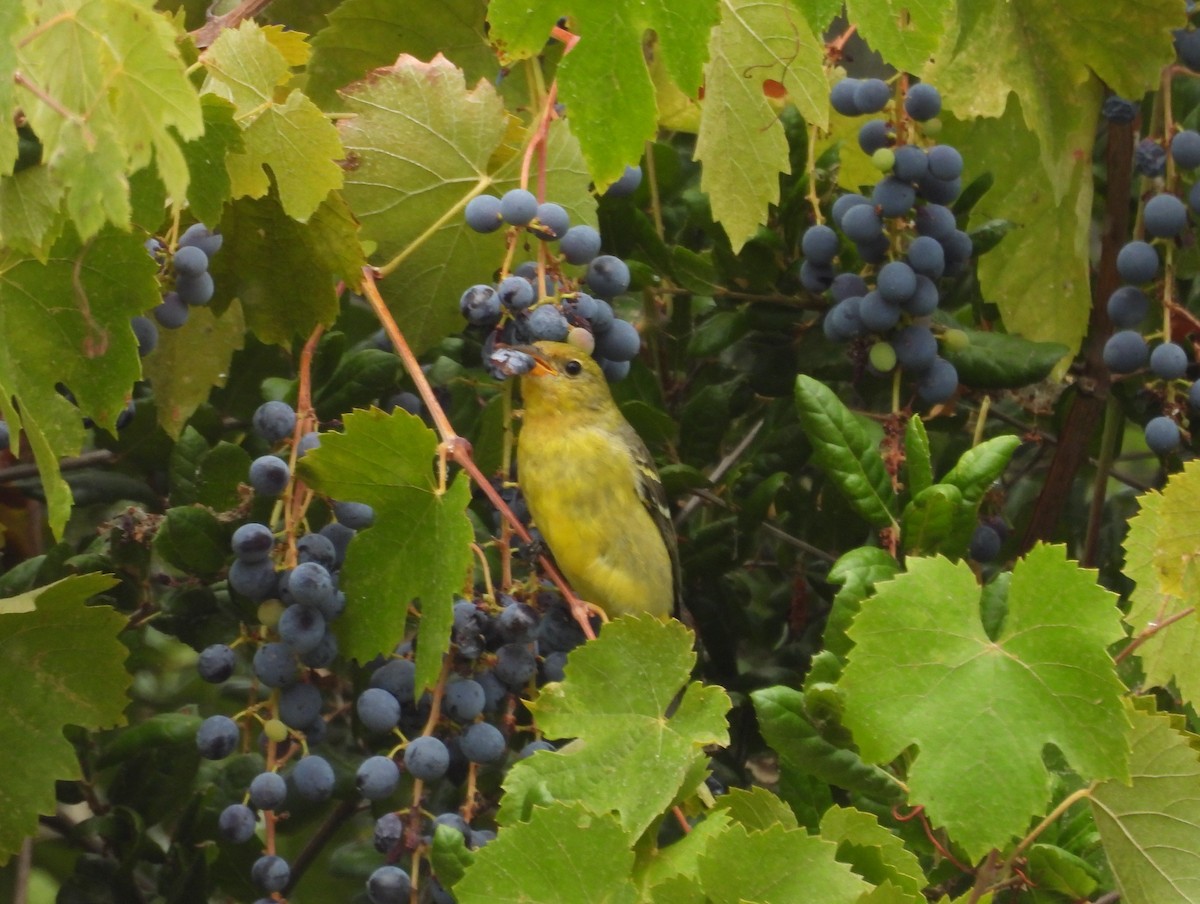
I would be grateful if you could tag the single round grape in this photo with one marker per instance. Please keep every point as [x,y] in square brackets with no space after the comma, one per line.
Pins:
[861,223]
[627,184]
[985,544]
[847,285]
[924,300]
[268,791]
[301,628]
[253,542]
[843,321]
[945,162]
[515,665]
[377,777]
[389,885]
[1150,158]
[607,276]
[378,710]
[932,128]
[253,580]
[1127,306]
[146,334]
[882,357]
[1162,435]
[483,743]
[871,95]
[269,612]
[843,204]
[426,758]
[203,238]
[516,293]
[269,475]
[620,342]
[554,666]
[935,221]
[916,348]
[875,134]
[310,584]
[939,191]
[483,213]
[1185,149]
[878,315]
[927,257]
[958,247]
[894,197]
[910,164]
[547,322]
[389,829]
[480,305]
[172,313]
[195,290]
[316,548]
[216,663]
[275,665]
[454,822]
[236,823]
[819,244]
[357,515]
[270,873]
[324,654]
[580,244]
[1168,361]
[217,737]
[518,207]
[1194,395]
[552,222]
[603,318]
[274,421]
[816,278]
[939,383]
[535,747]
[517,623]
[463,700]
[1187,46]
[1165,216]
[398,678]
[313,778]
[275,730]
[1125,352]
[896,282]
[956,340]
[884,160]
[842,97]
[923,102]
[190,261]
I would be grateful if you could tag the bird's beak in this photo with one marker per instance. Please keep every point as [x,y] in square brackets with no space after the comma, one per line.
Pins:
[541,367]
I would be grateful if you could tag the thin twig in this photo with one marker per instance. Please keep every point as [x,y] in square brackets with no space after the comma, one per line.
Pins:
[247,9]
[86,460]
[1152,629]
[325,831]
[718,472]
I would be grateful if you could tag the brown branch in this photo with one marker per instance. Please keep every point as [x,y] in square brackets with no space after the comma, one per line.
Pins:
[1152,629]
[320,838]
[247,9]
[78,463]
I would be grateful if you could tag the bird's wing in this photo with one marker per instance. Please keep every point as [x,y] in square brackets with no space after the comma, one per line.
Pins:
[654,497]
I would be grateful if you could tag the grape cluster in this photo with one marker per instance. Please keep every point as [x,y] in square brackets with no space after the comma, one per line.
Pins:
[540,300]
[186,271]
[905,239]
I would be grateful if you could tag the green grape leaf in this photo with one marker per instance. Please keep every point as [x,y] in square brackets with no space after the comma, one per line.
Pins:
[842,449]
[930,519]
[755,809]
[917,462]
[1002,360]
[1055,869]
[628,755]
[819,13]
[799,746]
[1038,276]
[922,662]
[741,144]
[1160,556]
[1051,55]
[904,33]
[222,473]
[857,571]
[419,549]
[31,218]
[420,145]
[562,852]
[1151,828]
[209,187]
[67,321]
[872,851]
[284,272]
[682,858]
[98,112]
[775,865]
[190,361]
[366,34]
[13,21]
[62,664]
[290,135]
[192,539]
[604,80]
[449,855]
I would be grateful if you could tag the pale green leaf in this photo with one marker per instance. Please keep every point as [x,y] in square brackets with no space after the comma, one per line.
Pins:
[31,217]
[604,80]
[12,23]
[1160,556]
[918,467]
[928,521]
[872,851]
[417,552]
[857,571]
[190,361]
[1151,828]
[922,663]
[419,147]
[628,755]
[741,143]
[755,809]
[682,858]
[562,853]
[60,664]
[906,33]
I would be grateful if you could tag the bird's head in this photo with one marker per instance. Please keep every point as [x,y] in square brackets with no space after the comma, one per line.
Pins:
[564,378]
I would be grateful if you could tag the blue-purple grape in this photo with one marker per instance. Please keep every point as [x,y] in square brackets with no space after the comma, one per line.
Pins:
[316,548]
[1127,306]
[896,282]
[217,737]
[216,663]
[518,207]
[552,221]
[299,704]
[1185,149]
[378,710]
[483,213]
[894,197]
[483,743]
[816,278]
[357,515]
[923,102]
[877,314]
[268,791]
[842,97]
[861,223]
[547,322]
[146,334]
[426,758]
[1168,361]
[916,348]
[985,544]
[377,777]
[236,823]
[270,873]
[607,276]
[275,665]
[463,700]
[620,342]
[627,184]
[1119,110]
[939,383]
[847,285]
[1162,435]
[195,290]
[1150,158]
[190,261]
[945,162]
[1165,216]
[927,257]
[935,221]
[871,95]
[389,885]
[480,305]
[875,134]
[313,778]
[1125,352]
[253,580]
[398,677]
[910,163]
[301,628]
[843,204]
[819,244]
[253,542]
[924,300]
[1137,262]
[172,313]
[580,244]
[274,421]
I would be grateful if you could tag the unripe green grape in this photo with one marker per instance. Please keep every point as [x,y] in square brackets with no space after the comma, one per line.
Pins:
[275,730]
[882,357]
[269,613]
[956,340]
[883,160]
[932,127]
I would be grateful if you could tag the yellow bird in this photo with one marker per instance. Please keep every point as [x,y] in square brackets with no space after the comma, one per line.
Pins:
[592,487]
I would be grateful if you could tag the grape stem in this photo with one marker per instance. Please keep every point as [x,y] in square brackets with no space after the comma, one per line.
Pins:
[301,496]
[1151,630]
[247,9]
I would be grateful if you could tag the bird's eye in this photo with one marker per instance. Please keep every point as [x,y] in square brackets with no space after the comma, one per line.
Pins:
[573,367]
